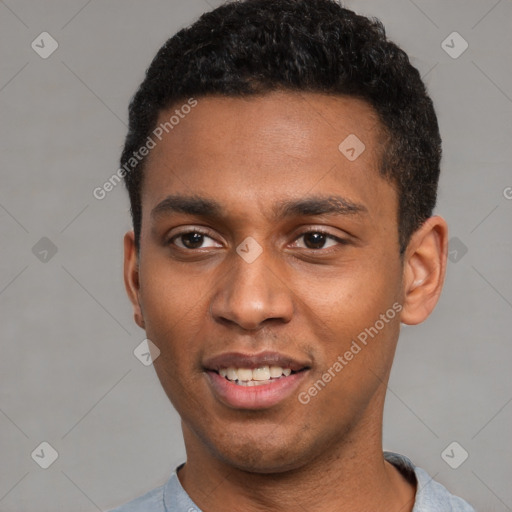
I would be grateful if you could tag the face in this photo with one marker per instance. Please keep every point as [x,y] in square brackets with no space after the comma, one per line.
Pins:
[267,255]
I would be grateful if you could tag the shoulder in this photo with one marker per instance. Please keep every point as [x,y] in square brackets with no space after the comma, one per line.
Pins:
[153,500]
[431,496]
[167,498]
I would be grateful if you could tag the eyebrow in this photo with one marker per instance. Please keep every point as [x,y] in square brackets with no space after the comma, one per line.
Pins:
[308,206]
[318,205]
[189,205]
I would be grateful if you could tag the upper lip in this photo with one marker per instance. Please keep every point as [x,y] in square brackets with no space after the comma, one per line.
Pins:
[252,361]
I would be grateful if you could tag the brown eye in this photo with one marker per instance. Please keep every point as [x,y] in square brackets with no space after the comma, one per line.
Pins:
[193,240]
[318,240]
[314,240]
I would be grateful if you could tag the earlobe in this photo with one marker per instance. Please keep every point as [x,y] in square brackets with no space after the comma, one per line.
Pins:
[131,277]
[424,270]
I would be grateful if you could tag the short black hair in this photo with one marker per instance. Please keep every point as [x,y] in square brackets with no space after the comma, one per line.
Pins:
[253,47]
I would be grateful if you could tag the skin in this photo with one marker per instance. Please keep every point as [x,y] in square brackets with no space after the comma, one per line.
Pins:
[308,303]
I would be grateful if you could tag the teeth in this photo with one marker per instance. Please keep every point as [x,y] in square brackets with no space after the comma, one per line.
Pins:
[249,383]
[231,374]
[249,377]
[262,373]
[276,371]
[244,374]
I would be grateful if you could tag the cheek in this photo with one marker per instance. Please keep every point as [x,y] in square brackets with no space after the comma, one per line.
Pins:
[174,308]
[174,313]
[353,313]
[167,291]
[351,295]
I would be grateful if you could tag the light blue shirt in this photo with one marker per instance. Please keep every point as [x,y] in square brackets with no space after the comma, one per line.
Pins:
[431,496]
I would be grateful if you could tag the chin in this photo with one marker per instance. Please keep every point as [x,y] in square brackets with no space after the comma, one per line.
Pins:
[264,462]
[264,453]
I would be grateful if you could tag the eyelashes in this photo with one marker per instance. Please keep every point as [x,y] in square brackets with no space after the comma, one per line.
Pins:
[313,239]
[199,237]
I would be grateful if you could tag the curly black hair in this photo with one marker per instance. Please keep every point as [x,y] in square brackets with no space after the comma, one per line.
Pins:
[251,47]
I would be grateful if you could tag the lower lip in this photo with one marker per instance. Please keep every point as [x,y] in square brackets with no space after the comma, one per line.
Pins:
[261,396]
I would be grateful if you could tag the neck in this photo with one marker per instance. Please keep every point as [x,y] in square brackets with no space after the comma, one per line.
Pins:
[351,476]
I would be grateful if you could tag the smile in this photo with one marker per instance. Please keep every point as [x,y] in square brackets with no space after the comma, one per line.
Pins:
[254,377]
[258,381]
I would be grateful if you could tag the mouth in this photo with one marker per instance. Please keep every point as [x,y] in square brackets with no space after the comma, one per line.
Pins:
[257,381]
[254,377]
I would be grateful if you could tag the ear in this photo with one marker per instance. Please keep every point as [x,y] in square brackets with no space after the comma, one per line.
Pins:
[131,276]
[424,270]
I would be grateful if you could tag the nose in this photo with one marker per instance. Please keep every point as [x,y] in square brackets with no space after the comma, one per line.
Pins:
[251,295]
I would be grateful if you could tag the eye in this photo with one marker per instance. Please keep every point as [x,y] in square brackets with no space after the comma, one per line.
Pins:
[193,240]
[318,240]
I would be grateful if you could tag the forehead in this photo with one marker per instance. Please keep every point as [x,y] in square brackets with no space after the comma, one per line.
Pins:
[248,151]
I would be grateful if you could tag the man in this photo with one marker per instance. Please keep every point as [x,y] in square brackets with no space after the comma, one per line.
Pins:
[282,164]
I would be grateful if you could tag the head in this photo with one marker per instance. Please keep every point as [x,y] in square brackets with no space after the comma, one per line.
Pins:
[282,216]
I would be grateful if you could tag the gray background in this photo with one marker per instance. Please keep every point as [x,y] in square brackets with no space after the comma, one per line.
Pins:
[68,373]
